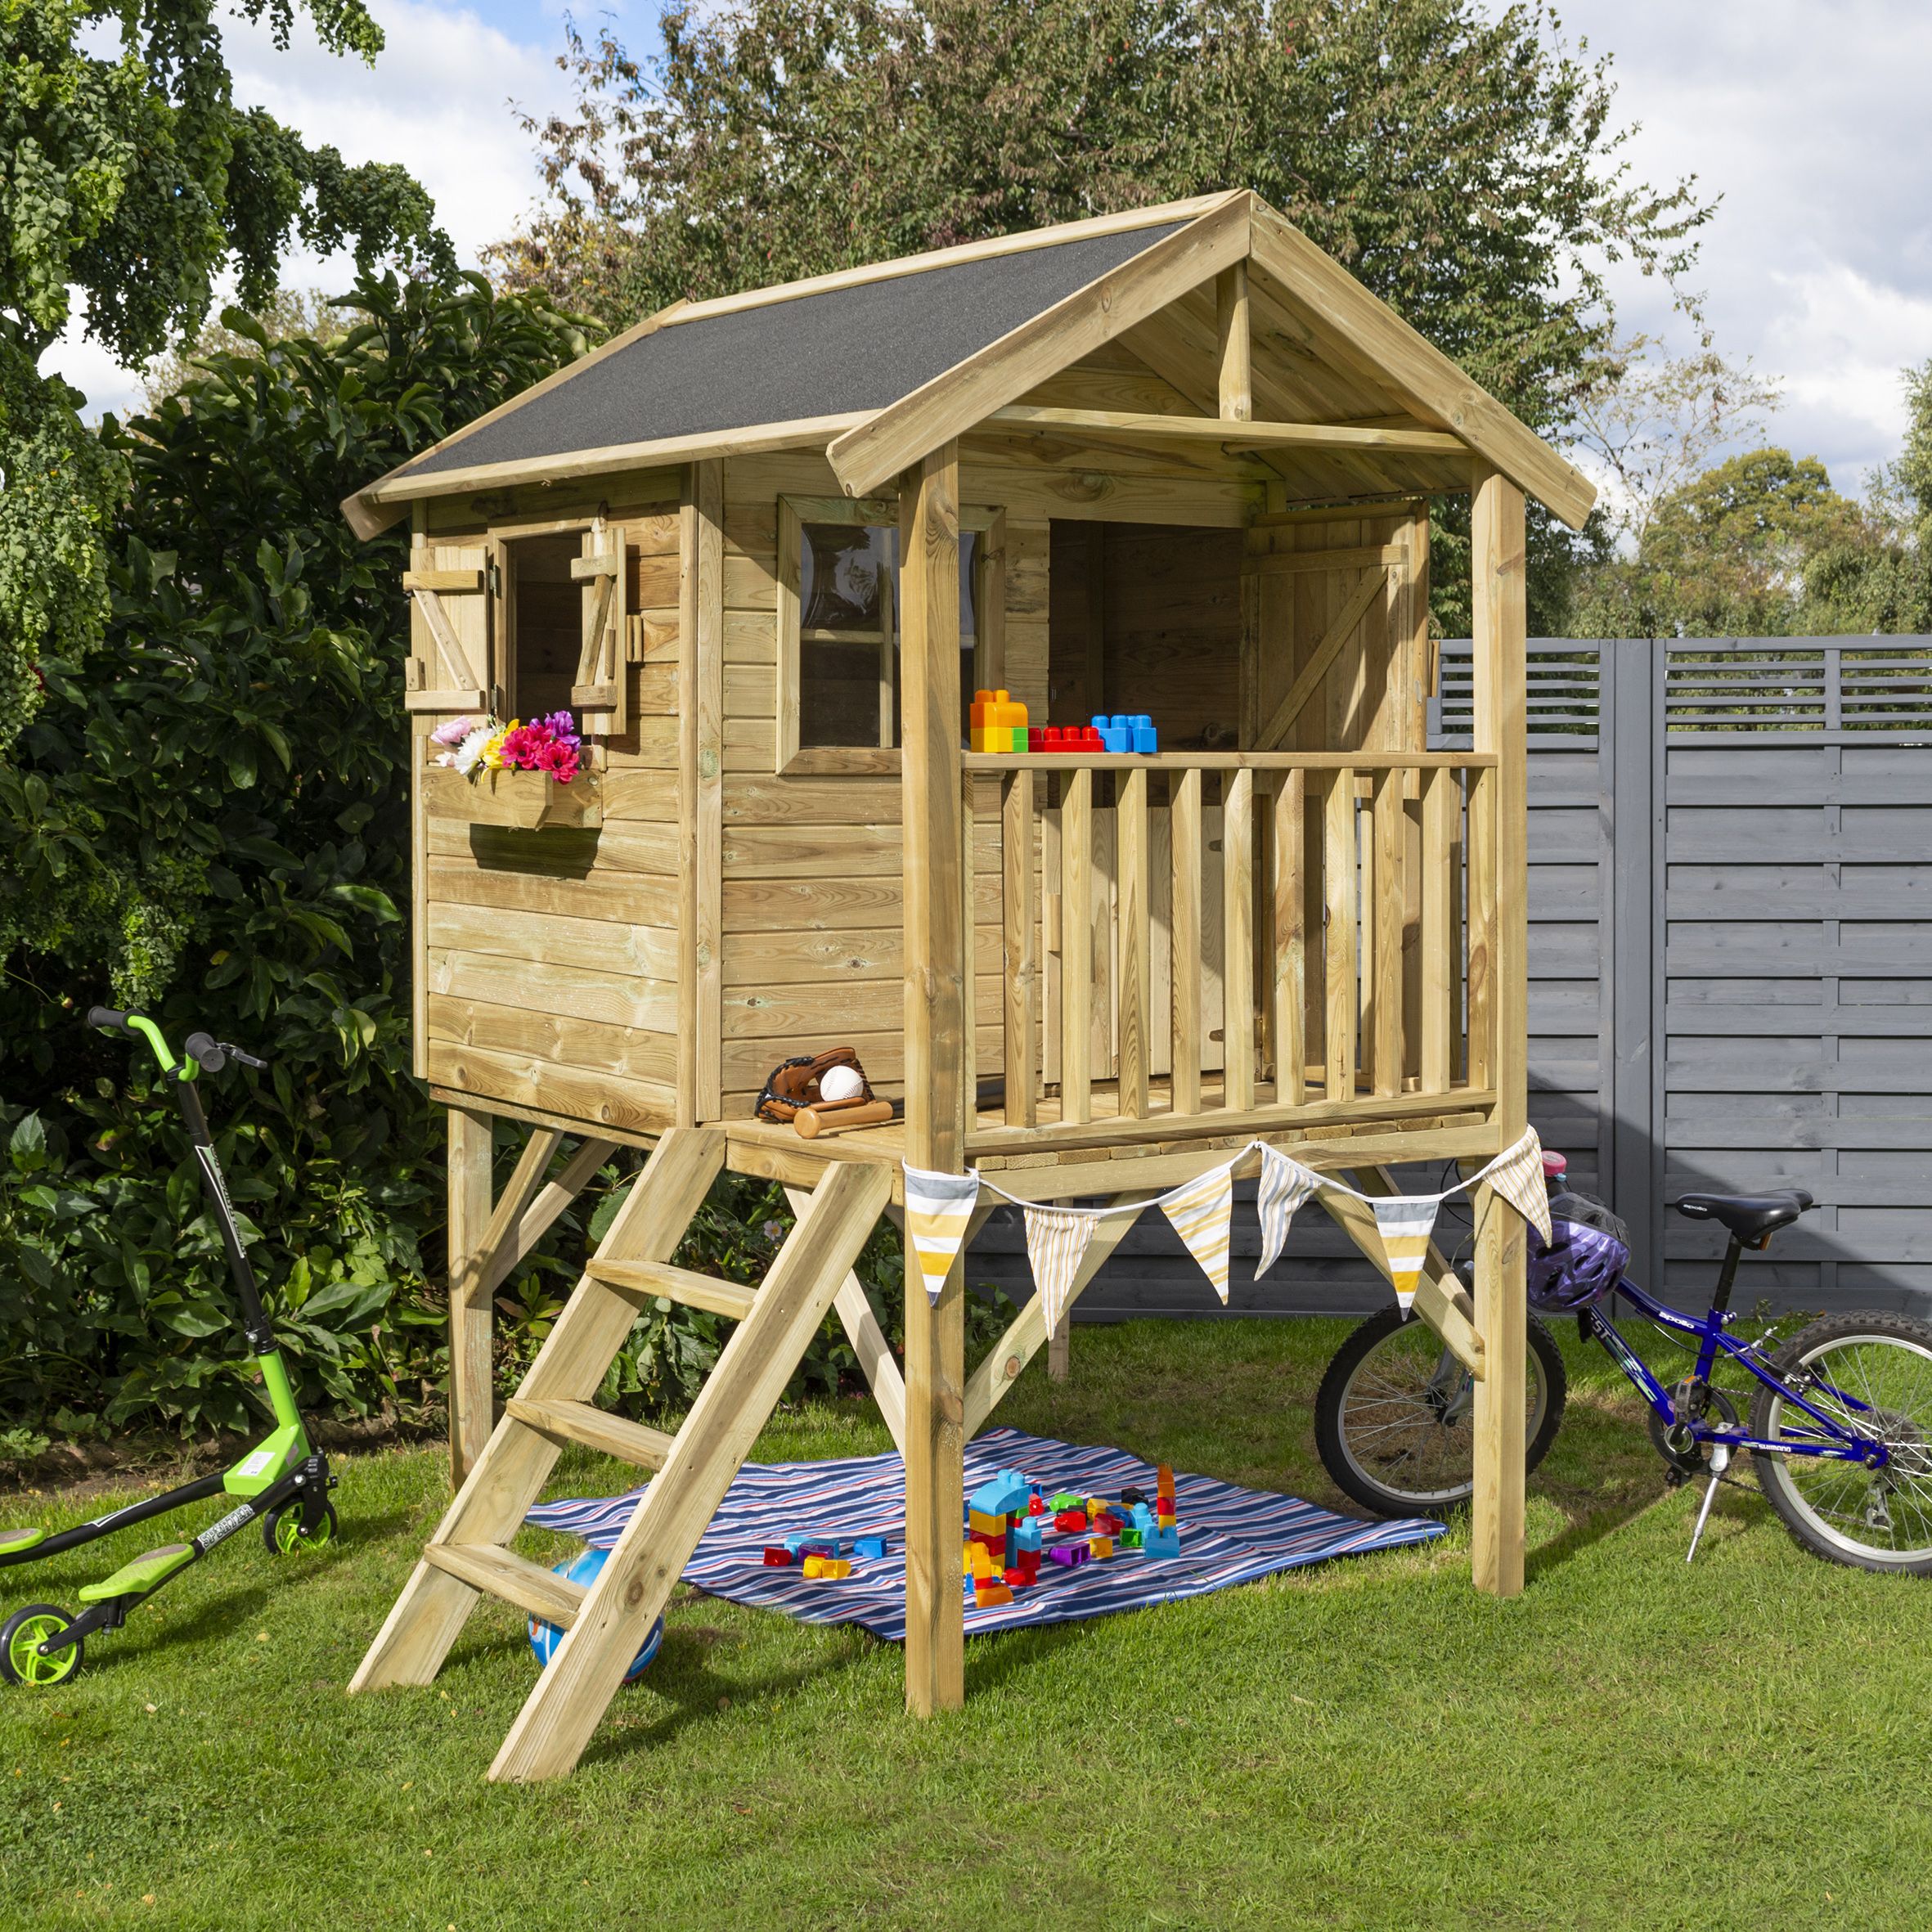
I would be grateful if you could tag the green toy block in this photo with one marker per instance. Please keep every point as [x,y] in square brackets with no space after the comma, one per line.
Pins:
[144,1574]
[1130,1539]
[1066,1499]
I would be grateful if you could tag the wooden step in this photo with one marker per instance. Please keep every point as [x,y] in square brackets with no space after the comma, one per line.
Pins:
[488,1566]
[595,1428]
[723,1297]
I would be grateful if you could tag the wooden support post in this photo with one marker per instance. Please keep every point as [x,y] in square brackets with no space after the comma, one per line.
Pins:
[1387,914]
[701,766]
[1184,919]
[1499,628]
[1238,936]
[1235,344]
[1137,985]
[938,981]
[1290,940]
[1076,946]
[1440,805]
[471,1413]
[1017,951]
[868,1342]
[1341,887]
[1059,1349]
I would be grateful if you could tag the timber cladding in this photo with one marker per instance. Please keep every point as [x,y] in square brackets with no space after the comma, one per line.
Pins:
[547,960]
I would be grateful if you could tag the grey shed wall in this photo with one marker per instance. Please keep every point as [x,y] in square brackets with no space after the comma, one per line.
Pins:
[1731,971]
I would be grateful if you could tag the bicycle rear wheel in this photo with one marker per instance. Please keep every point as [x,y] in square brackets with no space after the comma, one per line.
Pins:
[1869,1519]
[1393,1419]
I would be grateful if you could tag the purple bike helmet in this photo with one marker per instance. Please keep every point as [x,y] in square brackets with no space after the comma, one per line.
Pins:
[1584,1260]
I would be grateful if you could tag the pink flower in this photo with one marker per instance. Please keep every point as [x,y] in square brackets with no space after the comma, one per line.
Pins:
[455,731]
[559,760]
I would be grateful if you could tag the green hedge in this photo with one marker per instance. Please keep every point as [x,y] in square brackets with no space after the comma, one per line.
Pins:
[208,817]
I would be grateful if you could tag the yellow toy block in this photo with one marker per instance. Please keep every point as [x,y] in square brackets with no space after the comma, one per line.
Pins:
[1099,1547]
[815,1565]
[978,1562]
[985,1526]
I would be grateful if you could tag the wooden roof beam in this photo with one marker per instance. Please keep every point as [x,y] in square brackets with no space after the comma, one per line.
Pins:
[1347,314]
[1237,435]
[950,404]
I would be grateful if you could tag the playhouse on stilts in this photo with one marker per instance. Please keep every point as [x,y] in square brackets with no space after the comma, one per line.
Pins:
[1172,465]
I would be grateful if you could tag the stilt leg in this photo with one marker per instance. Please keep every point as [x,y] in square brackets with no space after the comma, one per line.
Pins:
[935,1495]
[470,1416]
[1502,1317]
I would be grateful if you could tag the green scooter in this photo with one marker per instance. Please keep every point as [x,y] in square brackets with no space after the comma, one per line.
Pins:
[281,1482]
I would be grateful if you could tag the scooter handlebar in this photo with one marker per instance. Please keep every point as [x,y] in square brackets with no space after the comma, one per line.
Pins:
[106,1016]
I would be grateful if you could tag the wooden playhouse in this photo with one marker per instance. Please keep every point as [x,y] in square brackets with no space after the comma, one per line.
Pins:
[1176,462]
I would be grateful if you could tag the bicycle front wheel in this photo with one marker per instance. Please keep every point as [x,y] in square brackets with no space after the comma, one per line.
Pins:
[1869,1519]
[1393,1422]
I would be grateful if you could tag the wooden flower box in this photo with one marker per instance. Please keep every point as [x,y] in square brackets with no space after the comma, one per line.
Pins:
[525,801]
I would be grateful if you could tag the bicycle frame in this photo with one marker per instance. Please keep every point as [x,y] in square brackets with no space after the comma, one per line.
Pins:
[1840,1444]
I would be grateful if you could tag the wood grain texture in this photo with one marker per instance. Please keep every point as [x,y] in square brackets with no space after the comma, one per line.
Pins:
[1134,854]
[594,1428]
[1442,806]
[1019,960]
[1290,953]
[1076,946]
[701,762]
[1184,924]
[636,1582]
[1237,944]
[471,1189]
[1339,886]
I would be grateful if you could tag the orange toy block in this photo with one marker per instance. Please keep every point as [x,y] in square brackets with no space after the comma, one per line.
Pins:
[990,1594]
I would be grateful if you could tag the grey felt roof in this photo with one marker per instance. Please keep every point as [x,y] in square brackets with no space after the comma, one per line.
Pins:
[847,350]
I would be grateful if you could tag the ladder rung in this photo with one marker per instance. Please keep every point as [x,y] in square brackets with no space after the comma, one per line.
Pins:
[502,1572]
[678,1284]
[594,1428]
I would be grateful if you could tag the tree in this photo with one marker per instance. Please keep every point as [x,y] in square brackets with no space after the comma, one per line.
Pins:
[287,312]
[1728,553]
[1465,169]
[132,177]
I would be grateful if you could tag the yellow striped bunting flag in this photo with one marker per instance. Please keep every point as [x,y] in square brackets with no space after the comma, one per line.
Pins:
[1202,1213]
[1517,1176]
[1285,1185]
[938,1212]
[1405,1224]
[1056,1245]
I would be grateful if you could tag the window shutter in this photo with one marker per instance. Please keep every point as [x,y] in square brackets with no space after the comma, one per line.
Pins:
[448,669]
[600,694]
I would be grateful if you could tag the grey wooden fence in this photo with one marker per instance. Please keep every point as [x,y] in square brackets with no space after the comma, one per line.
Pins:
[1731,970]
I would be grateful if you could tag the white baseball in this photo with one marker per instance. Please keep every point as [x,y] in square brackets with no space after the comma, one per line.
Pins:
[840,1083]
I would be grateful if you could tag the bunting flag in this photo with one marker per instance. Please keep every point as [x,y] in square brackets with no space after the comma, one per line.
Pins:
[1057,1241]
[1285,1185]
[1202,1212]
[938,1212]
[1517,1176]
[1405,1224]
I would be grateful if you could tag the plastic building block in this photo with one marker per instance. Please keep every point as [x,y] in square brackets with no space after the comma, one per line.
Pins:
[815,1565]
[1005,1495]
[1130,1495]
[777,1556]
[1066,1499]
[1163,1480]
[795,1544]
[835,1568]
[983,1522]
[1095,1504]
[989,1593]
[1071,1520]
[978,1561]
[1143,1518]
[1099,1547]
[869,1546]
[1036,1504]
[1107,1524]
[1147,740]
[1067,1553]
[1161,1542]
[1014,1578]
[1130,1539]
[1029,1565]
[1028,1535]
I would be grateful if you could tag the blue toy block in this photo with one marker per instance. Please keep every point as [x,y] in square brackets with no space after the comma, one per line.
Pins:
[1029,1537]
[1147,740]
[1005,1495]
[1144,1518]
[869,1546]
[1160,1543]
[794,1544]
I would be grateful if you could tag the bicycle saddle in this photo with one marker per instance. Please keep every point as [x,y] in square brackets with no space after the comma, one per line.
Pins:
[1751,1217]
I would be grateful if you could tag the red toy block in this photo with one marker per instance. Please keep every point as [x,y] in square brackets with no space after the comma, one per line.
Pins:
[1037,1506]
[1030,1565]
[1074,1521]
[1107,1524]
[1015,1579]
[777,1556]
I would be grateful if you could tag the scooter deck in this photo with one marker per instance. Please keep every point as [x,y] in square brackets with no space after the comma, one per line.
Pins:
[147,1572]
[12,1541]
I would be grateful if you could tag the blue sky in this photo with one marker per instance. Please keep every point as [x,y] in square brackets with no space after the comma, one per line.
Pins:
[1808,116]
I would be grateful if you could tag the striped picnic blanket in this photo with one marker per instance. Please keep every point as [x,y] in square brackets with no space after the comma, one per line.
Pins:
[1228,1535]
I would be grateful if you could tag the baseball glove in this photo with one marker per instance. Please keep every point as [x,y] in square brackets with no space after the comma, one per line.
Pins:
[795,1084]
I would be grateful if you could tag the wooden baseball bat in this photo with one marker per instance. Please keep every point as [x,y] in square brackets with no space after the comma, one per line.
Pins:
[835,1117]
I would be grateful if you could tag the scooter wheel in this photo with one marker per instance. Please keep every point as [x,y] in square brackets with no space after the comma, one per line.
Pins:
[282,1529]
[20,1639]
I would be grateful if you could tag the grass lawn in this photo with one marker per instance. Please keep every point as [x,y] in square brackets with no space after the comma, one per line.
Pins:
[1369,1744]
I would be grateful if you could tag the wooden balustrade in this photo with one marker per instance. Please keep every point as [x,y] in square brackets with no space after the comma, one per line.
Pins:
[1203,935]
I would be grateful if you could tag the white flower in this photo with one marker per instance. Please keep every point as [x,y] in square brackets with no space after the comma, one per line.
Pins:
[465,756]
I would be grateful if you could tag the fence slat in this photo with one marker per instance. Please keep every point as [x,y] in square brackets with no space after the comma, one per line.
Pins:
[1076,946]
[1291,938]
[1184,829]
[1340,890]
[1136,990]
[1022,1043]
[1238,950]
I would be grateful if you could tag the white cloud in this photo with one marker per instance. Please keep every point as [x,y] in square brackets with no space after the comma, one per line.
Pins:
[1807,117]
[437,100]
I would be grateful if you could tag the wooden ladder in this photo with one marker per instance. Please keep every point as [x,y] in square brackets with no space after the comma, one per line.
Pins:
[605,1623]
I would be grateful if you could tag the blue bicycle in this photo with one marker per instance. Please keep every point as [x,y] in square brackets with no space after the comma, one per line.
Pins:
[1840,1424]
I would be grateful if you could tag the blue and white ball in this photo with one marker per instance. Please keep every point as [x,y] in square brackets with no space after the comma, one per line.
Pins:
[545,1638]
